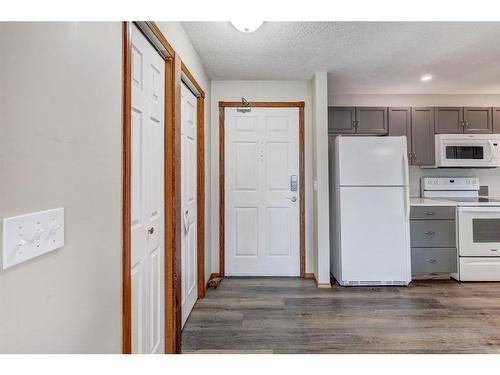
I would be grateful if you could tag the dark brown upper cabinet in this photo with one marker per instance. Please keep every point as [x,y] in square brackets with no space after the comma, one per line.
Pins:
[474,120]
[478,120]
[357,120]
[400,124]
[341,120]
[496,120]
[449,120]
[422,136]
[371,120]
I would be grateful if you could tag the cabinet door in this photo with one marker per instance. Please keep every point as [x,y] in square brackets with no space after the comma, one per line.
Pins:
[400,124]
[496,120]
[478,120]
[449,120]
[341,120]
[371,120]
[422,135]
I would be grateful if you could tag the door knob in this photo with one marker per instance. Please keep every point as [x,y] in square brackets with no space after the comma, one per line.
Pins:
[292,199]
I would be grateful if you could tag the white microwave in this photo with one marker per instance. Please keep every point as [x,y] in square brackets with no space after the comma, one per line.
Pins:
[468,150]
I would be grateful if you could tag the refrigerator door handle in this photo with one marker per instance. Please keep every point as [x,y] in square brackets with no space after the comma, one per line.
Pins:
[406,175]
[405,164]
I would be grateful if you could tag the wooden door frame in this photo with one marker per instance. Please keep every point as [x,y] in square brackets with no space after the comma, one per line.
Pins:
[174,70]
[222,197]
[196,89]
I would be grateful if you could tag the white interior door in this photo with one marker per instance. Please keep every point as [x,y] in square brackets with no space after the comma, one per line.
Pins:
[261,206]
[147,197]
[189,202]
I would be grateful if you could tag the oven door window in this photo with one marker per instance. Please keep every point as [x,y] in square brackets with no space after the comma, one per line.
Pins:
[486,230]
[465,152]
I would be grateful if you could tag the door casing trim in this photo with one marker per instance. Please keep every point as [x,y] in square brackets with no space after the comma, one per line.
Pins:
[174,69]
[196,89]
[302,241]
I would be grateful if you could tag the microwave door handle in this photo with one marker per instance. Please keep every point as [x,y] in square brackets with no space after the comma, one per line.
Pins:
[492,149]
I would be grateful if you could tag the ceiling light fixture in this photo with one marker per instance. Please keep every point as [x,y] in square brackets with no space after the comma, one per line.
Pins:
[426,78]
[247,26]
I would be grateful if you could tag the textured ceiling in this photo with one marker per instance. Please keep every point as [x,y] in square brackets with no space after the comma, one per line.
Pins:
[360,57]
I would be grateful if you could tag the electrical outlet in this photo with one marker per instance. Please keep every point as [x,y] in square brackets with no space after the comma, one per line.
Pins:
[29,236]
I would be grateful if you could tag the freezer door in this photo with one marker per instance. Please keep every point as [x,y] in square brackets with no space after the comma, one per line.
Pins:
[374,235]
[372,161]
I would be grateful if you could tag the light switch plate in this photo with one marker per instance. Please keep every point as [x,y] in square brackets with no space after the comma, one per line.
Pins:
[29,236]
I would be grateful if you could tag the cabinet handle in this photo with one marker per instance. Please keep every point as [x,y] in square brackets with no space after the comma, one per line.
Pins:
[429,233]
[428,212]
[431,260]
[353,124]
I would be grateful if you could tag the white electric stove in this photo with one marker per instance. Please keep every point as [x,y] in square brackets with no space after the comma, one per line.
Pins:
[478,225]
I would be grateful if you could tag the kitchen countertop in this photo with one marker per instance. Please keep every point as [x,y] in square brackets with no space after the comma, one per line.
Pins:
[416,201]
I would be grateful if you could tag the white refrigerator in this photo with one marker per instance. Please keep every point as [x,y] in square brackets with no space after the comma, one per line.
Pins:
[371,243]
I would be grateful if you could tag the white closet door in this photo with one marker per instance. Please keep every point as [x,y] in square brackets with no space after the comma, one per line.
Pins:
[261,207]
[147,251]
[189,202]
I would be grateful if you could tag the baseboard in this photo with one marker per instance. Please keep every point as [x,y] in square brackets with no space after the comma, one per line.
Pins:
[323,285]
[312,276]
[214,275]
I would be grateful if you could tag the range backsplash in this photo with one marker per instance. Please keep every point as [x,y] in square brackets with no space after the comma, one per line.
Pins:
[487,177]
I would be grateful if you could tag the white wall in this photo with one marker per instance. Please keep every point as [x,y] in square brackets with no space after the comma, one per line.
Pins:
[488,177]
[177,37]
[60,145]
[320,160]
[262,91]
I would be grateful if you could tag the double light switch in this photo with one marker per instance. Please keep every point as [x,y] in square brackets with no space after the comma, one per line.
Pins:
[28,236]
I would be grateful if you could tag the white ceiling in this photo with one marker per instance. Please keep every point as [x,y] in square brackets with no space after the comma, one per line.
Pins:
[360,57]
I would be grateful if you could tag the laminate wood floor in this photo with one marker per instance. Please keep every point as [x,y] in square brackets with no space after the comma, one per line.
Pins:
[290,315]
